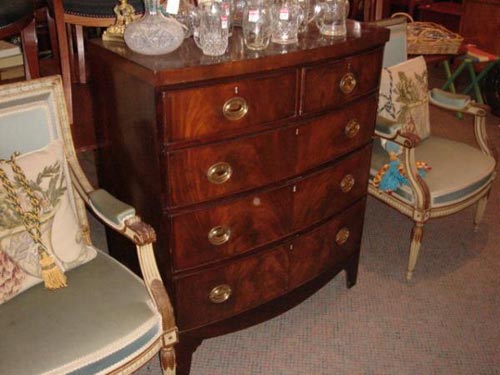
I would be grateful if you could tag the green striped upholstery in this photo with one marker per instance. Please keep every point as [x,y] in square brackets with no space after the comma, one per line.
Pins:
[83,329]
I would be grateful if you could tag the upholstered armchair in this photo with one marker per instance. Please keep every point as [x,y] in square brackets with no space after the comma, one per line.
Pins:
[421,175]
[66,307]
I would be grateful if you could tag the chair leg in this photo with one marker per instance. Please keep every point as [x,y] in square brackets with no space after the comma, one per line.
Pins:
[167,360]
[481,206]
[80,54]
[54,44]
[30,51]
[416,239]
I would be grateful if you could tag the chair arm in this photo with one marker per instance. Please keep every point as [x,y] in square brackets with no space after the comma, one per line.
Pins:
[450,101]
[121,217]
[386,128]
[110,209]
[391,131]
[463,104]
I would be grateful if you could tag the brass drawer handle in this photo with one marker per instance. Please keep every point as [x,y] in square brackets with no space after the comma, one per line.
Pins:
[219,173]
[342,236]
[235,108]
[347,183]
[219,235]
[352,128]
[348,83]
[220,293]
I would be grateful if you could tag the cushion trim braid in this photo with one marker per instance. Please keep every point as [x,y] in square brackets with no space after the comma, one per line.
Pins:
[121,356]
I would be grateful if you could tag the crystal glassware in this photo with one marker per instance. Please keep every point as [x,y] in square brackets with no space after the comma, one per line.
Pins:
[287,15]
[184,13]
[211,30]
[256,24]
[154,34]
[331,17]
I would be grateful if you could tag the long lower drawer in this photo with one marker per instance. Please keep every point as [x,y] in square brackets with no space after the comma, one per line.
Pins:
[224,291]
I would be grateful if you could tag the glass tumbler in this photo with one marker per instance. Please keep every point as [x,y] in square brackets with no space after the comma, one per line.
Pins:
[305,5]
[286,16]
[256,24]
[211,31]
[331,17]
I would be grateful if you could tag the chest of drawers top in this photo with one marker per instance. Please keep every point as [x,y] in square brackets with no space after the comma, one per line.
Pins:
[187,64]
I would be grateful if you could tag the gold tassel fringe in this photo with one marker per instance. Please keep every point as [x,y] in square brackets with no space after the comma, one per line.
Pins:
[52,276]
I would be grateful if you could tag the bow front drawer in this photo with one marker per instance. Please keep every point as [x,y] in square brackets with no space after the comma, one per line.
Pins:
[207,172]
[327,246]
[234,107]
[203,173]
[220,232]
[332,84]
[222,292]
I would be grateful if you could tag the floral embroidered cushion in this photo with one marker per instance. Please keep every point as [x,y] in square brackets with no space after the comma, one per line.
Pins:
[403,96]
[47,177]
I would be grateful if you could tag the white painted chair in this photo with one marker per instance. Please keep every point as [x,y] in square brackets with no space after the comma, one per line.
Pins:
[461,175]
[106,320]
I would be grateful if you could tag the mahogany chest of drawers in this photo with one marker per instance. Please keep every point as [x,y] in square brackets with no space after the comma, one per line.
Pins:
[251,167]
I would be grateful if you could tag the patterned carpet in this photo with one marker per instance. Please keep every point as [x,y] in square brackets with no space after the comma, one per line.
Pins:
[445,321]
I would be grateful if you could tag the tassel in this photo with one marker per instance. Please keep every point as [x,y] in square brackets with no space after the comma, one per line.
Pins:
[52,276]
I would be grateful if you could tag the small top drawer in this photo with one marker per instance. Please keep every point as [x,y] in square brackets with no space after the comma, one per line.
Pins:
[334,83]
[202,112]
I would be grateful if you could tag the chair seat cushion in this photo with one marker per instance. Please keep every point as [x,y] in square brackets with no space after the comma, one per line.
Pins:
[12,11]
[92,326]
[458,170]
[96,8]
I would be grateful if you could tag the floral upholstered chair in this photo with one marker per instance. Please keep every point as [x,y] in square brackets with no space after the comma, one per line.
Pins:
[421,175]
[66,307]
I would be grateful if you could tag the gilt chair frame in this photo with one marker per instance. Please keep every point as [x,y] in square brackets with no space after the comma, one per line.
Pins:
[132,227]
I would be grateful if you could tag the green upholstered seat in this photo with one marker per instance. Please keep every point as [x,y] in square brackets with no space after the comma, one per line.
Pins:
[105,307]
[458,170]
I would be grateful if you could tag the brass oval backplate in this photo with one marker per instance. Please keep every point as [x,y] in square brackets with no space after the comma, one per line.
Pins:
[348,83]
[219,173]
[347,183]
[342,236]
[219,235]
[235,108]
[220,293]
[352,128]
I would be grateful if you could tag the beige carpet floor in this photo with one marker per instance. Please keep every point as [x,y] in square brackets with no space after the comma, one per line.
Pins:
[445,321]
